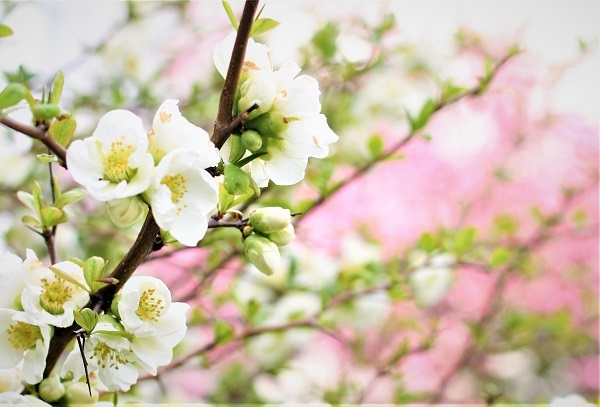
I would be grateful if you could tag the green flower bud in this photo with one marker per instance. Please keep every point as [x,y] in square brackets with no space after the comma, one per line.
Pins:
[269,220]
[46,111]
[284,236]
[263,253]
[252,140]
[51,389]
[78,393]
[126,212]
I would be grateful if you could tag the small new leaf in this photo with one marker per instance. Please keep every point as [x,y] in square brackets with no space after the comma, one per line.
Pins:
[375,145]
[52,216]
[230,14]
[11,95]
[47,158]
[62,130]
[57,88]
[223,332]
[69,197]
[236,181]
[120,334]
[237,149]
[499,256]
[262,25]
[86,319]
[58,273]
[93,270]
[5,31]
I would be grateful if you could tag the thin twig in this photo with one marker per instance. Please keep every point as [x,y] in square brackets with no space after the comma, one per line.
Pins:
[222,130]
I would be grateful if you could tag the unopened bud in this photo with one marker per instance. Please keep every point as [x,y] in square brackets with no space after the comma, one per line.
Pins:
[126,212]
[260,88]
[270,219]
[51,389]
[263,253]
[252,140]
[78,393]
[247,231]
[284,236]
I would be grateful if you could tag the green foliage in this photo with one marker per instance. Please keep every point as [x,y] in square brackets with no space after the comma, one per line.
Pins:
[262,25]
[11,95]
[236,181]
[500,256]
[375,145]
[324,40]
[63,129]
[428,243]
[86,319]
[5,31]
[57,88]
[233,387]
[464,240]
[58,273]
[230,14]
[21,75]
[94,269]
[421,120]
[223,332]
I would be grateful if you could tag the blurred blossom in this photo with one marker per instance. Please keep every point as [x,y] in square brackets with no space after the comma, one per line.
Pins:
[17,162]
[572,400]
[511,365]
[430,283]
[10,379]
[357,251]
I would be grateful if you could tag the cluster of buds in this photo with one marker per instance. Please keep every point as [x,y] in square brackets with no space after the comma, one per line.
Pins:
[267,230]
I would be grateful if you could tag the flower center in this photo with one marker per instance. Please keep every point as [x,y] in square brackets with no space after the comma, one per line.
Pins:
[116,163]
[54,295]
[177,186]
[23,336]
[150,307]
[107,356]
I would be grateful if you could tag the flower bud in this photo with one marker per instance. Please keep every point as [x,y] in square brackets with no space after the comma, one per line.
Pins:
[126,212]
[51,389]
[284,236]
[78,393]
[260,89]
[263,253]
[270,219]
[252,140]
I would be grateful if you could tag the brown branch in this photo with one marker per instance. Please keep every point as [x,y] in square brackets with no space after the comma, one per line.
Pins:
[137,253]
[222,130]
[37,134]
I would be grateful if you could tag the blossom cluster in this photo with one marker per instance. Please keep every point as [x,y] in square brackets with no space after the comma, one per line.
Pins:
[286,126]
[124,165]
[138,333]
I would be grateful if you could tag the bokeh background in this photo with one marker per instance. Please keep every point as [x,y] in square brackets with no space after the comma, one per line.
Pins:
[498,195]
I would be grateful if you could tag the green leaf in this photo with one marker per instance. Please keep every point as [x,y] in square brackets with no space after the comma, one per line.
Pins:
[5,30]
[58,273]
[47,158]
[223,332]
[69,197]
[237,148]
[325,40]
[262,25]
[246,160]
[86,319]
[38,199]
[93,269]
[248,194]
[57,88]
[417,123]
[225,199]
[12,94]
[451,91]
[230,14]
[464,240]
[236,181]
[52,216]
[428,242]
[499,256]
[30,220]
[375,145]
[62,130]
[120,334]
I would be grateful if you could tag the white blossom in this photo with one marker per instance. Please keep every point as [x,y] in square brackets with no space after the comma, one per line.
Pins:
[258,57]
[170,130]
[183,194]
[432,282]
[145,308]
[571,400]
[108,354]
[126,212]
[19,399]
[11,281]
[294,129]
[23,339]
[263,253]
[48,297]
[114,163]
